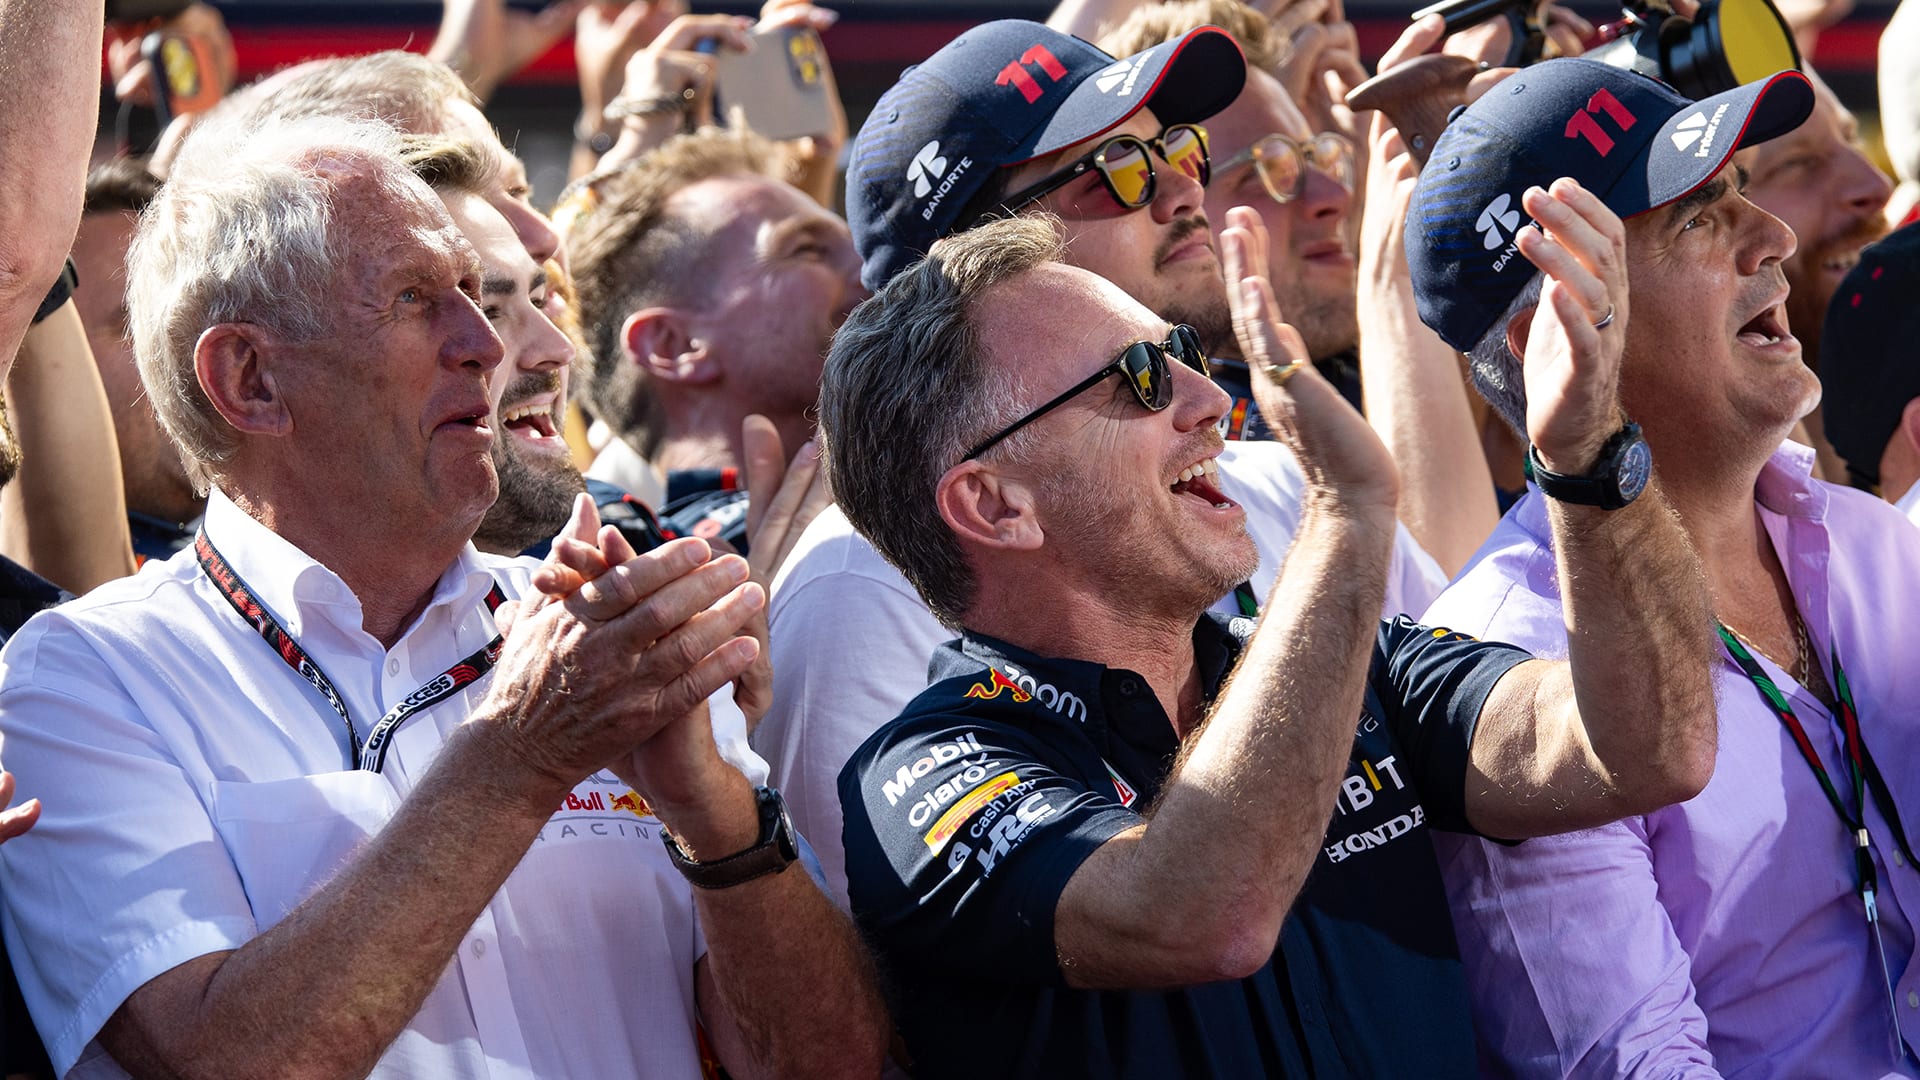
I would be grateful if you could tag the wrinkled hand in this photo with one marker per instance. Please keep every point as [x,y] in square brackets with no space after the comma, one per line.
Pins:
[605,37]
[611,652]
[486,43]
[19,819]
[1336,448]
[1572,368]
[783,499]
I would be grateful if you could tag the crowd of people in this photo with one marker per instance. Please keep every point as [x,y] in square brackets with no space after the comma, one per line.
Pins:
[734,622]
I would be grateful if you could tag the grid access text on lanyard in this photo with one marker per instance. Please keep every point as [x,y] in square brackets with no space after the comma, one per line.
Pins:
[1861,770]
[373,754]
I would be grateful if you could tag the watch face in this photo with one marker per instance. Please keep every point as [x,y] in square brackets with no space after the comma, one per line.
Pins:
[1633,469]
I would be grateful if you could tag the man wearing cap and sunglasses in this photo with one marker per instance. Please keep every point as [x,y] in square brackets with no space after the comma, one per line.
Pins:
[1299,181]
[1084,846]
[1013,112]
[1765,927]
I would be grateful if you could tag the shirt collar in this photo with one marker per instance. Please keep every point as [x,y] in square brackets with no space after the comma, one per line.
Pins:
[298,589]
[1787,485]
[1217,640]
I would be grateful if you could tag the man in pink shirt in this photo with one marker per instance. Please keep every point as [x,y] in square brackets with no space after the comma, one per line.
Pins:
[1763,928]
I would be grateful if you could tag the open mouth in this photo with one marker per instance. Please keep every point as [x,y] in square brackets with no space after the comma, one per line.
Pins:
[1201,480]
[532,421]
[473,419]
[1767,328]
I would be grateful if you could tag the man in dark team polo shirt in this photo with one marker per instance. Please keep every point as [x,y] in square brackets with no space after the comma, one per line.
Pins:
[1086,850]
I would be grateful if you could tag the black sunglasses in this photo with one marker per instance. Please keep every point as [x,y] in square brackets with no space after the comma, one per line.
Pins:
[1125,165]
[1144,364]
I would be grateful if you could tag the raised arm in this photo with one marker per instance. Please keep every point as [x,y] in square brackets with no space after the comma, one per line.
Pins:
[49,87]
[1199,893]
[1628,724]
[1415,393]
[67,448]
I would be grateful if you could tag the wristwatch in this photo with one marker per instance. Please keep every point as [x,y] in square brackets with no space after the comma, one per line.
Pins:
[1619,475]
[770,854]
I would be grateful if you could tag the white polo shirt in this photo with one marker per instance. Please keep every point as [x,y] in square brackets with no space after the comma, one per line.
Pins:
[196,788]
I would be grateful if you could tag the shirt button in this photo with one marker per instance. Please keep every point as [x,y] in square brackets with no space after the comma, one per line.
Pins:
[1898,858]
[479,948]
[1129,687]
[393,665]
[1913,999]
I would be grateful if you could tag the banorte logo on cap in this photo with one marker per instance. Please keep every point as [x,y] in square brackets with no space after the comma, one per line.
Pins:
[926,167]
[1496,216]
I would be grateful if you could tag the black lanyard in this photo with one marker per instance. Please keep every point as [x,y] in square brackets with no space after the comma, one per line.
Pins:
[373,754]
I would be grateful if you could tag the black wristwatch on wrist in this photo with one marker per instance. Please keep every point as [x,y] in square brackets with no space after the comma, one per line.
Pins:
[770,854]
[1619,475]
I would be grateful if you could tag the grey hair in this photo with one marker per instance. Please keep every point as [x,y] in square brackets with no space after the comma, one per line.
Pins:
[251,240]
[1495,370]
[401,88]
[908,388]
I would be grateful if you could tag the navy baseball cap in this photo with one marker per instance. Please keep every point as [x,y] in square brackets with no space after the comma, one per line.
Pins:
[1868,371]
[1630,139]
[1004,93]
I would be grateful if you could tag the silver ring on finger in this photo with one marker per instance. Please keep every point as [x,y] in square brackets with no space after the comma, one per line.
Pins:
[1606,321]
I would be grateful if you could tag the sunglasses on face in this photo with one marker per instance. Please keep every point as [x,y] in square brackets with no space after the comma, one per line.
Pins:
[1144,366]
[1282,163]
[1125,165]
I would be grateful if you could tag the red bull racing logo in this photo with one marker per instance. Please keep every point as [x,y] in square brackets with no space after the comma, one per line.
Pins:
[992,690]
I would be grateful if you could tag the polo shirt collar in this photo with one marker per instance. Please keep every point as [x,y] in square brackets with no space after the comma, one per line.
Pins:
[1217,640]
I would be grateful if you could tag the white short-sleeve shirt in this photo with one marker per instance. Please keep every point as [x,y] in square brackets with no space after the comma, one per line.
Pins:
[196,789]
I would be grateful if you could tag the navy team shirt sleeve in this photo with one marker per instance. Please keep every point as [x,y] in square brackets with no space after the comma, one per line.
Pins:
[1430,684]
[960,837]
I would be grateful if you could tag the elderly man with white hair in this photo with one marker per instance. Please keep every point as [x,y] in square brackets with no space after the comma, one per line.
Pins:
[335,799]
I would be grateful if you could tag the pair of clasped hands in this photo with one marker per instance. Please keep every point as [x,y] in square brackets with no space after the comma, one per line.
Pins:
[609,662]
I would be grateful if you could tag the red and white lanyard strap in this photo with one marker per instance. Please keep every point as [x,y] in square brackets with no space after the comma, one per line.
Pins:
[372,755]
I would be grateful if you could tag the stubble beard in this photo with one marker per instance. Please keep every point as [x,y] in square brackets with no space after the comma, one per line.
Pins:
[9,446]
[535,501]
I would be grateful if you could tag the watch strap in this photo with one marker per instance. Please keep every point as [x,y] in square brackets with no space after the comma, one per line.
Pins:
[1599,488]
[61,292]
[773,851]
